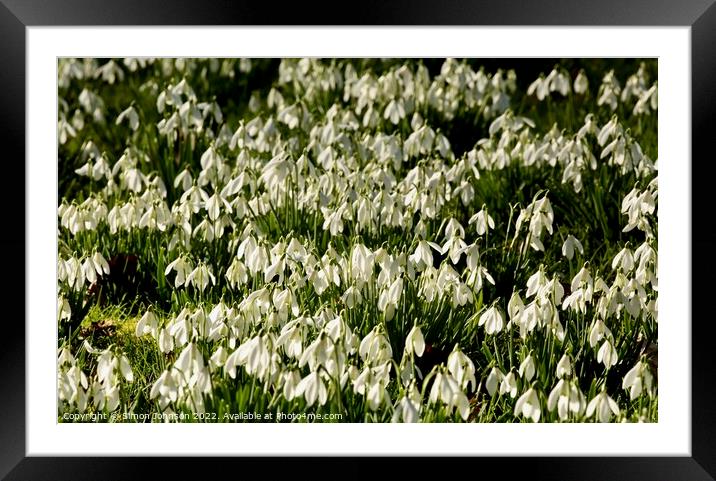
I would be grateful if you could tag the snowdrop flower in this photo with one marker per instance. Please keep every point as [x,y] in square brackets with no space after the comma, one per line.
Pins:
[313,389]
[609,91]
[581,83]
[184,179]
[166,388]
[215,204]
[110,72]
[422,257]
[95,169]
[200,277]
[509,384]
[395,111]
[492,320]
[236,274]
[570,244]
[290,379]
[483,221]
[567,398]
[607,354]
[536,282]
[291,339]
[637,380]
[624,260]
[527,368]
[414,342]
[515,307]
[377,394]
[63,309]
[130,114]
[182,268]
[407,409]
[352,297]
[446,389]
[73,385]
[390,297]
[316,354]
[602,407]
[539,87]
[455,246]
[254,355]
[65,130]
[564,367]
[371,383]
[559,82]
[528,405]
[461,368]
[105,389]
[165,341]
[582,279]
[598,331]
[362,263]
[105,397]
[333,220]
[493,379]
[125,368]
[148,324]
[375,348]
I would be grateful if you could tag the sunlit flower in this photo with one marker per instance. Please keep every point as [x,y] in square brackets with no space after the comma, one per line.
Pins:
[602,407]
[492,320]
[415,342]
[528,405]
[569,246]
[527,368]
[637,380]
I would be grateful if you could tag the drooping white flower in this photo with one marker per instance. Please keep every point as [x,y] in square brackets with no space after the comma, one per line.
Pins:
[182,268]
[570,244]
[390,297]
[527,368]
[422,257]
[624,260]
[313,389]
[200,277]
[407,410]
[375,348]
[567,398]
[602,406]
[462,369]
[528,405]
[483,222]
[446,388]
[598,331]
[509,384]
[132,117]
[581,83]
[638,380]
[125,368]
[564,367]
[607,354]
[415,342]
[493,380]
[148,324]
[492,320]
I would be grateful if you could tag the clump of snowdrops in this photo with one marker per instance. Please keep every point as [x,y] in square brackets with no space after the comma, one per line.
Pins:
[375,239]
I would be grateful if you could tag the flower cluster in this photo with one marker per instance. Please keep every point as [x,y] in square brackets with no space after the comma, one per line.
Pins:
[335,242]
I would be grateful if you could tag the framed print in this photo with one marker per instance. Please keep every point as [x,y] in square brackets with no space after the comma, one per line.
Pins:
[435,238]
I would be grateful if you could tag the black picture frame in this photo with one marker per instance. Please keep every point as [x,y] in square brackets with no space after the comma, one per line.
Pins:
[700,15]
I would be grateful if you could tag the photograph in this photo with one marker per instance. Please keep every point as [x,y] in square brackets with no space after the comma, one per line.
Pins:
[357,240]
